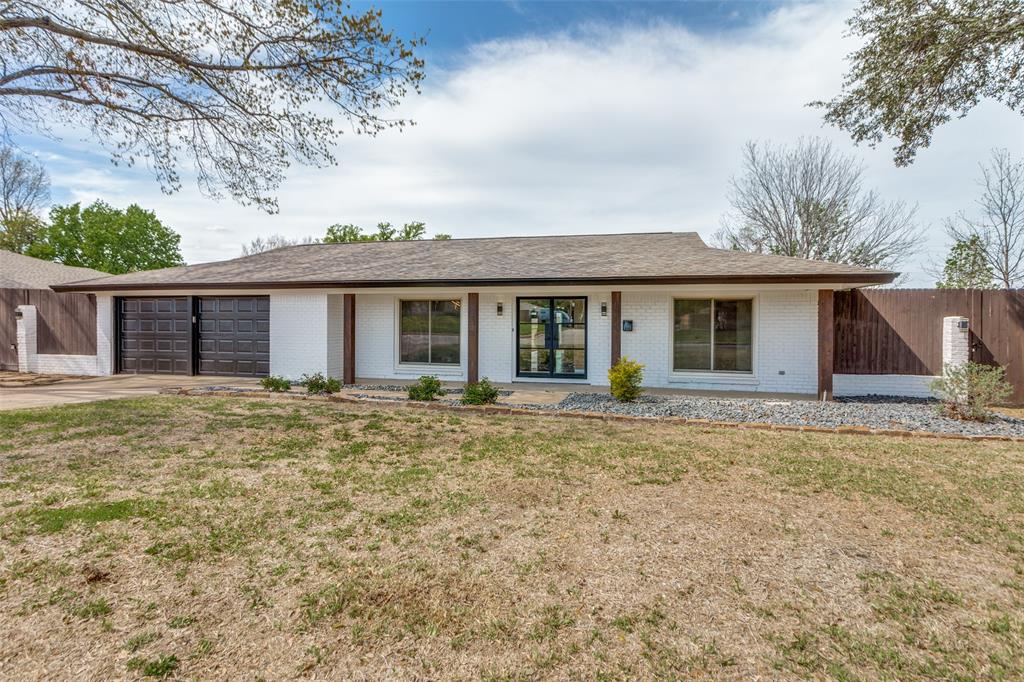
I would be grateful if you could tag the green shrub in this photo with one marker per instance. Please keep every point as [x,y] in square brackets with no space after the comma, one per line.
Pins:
[968,390]
[425,388]
[625,377]
[318,383]
[481,393]
[276,384]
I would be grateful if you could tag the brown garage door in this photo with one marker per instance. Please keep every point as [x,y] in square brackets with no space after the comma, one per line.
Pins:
[234,335]
[154,335]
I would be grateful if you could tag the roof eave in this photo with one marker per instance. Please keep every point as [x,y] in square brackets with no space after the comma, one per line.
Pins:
[858,279]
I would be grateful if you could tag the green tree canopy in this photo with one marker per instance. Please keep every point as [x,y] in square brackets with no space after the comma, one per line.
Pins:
[18,232]
[108,239]
[966,266]
[923,63]
[386,232]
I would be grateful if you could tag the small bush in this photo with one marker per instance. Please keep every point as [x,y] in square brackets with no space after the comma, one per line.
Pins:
[425,388]
[481,393]
[276,384]
[625,377]
[968,390]
[318,383]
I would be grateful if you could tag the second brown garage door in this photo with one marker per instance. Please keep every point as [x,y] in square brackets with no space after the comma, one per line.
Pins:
[234,335]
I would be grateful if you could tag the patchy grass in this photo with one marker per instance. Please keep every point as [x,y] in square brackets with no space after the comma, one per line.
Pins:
[173,536]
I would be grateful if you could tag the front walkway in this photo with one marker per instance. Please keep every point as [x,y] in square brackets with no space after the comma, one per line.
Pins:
[90,389]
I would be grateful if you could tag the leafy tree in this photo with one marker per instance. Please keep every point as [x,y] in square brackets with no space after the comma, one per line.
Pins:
[808,201]
[24,190]
[386,232]
[108,239]
[966,267]
[19,232]
[274,241]
[238,87]
[998,225]
[923,63]
[343,234]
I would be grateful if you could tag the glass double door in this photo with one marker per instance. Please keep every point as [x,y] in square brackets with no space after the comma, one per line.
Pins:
[552,337]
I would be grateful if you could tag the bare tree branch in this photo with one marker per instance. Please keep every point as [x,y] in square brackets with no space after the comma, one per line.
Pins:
[808,201]
[238,87]
[1000,225]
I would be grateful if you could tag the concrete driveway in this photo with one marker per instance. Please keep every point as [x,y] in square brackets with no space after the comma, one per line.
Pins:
[89,389]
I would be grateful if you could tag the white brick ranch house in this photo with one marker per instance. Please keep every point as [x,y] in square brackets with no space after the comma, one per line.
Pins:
[516,309]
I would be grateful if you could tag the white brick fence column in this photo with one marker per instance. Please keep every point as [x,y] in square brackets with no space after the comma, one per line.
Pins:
[26,337]
[956,342]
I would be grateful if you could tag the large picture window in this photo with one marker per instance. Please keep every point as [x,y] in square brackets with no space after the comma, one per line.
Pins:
[429,332]
[713,335]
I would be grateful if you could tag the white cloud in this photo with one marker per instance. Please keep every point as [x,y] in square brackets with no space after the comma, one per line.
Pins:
[610,128]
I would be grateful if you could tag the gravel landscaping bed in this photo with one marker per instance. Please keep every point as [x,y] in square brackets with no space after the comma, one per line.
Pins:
[877,412]
[874,412]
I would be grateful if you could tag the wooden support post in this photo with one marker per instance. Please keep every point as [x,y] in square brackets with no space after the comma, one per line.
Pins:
[473,324]
[616,326]
[348,324]
[826,344]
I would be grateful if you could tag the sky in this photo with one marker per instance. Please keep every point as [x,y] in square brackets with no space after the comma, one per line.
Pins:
[572,117]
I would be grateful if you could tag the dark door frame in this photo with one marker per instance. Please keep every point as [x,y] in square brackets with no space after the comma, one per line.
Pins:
[548,336]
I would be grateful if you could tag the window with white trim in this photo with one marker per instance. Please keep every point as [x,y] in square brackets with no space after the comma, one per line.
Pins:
[713,335]
[429,332]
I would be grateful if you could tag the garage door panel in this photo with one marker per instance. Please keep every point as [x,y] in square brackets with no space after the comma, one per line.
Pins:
[234,335]
[154,335]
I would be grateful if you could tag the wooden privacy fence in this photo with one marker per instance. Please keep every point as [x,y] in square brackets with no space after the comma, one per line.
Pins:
[65,323]
[899,331]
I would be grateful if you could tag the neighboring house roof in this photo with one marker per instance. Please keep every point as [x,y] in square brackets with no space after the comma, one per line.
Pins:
[24,272]
[660,257]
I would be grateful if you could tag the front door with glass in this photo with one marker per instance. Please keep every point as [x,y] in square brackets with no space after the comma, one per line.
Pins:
[552,337]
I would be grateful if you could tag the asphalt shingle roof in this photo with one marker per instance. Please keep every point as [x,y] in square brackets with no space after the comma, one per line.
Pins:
[23,272]
[666,257]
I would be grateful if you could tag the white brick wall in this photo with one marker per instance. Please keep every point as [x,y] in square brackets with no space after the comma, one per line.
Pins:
[599,337]
[497,337]
[335,338]
[298,334]
[31,361]
[910,385]
[104,335]
[786,343]
[375,337]
[376,352]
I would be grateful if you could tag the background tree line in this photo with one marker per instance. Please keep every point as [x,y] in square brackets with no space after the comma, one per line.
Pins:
[98,236]
[345,233]
[116,241]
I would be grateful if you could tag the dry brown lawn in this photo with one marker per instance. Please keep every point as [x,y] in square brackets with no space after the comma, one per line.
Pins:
[201,538]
